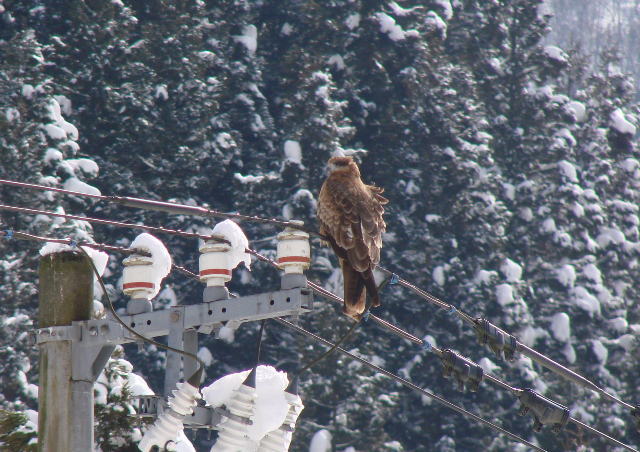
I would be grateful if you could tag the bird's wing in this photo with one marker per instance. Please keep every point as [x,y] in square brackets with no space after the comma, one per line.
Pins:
[351,214]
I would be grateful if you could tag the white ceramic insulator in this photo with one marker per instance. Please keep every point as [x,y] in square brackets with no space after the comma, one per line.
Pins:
[138,276]
[232,436]
[165,428]
[215,264]
[169,423]
[279,440]
[294,251]
[184,399]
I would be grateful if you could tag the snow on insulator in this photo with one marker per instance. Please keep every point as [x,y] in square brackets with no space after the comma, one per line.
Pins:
[232,430]
[279,440]
[139,280]
[169,424]
[294,252]
[215,264]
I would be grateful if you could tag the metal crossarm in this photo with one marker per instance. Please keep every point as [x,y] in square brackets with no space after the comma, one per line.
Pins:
[199,316]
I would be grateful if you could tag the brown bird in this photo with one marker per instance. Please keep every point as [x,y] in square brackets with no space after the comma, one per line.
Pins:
[350,215]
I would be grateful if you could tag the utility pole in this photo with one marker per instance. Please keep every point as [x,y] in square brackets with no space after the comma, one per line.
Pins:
[65,421]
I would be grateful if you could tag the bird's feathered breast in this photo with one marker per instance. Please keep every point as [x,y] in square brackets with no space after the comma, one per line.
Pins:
[351,213]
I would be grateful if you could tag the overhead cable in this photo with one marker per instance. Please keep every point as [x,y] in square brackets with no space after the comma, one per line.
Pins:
[477,324]
[410,385]
[162,206]
[545,411]
[455,364]
[499,341]
[98,246]
[118,224]
[498,335]
[315,287]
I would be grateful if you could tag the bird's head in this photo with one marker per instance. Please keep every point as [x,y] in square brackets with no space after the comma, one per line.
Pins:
[343,165]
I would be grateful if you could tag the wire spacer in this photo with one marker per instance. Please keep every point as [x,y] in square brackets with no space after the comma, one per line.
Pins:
[452,310]
[545,411]
[503,344]
[365,316]
[73,243]
[395,279]
[466,373]
[8,234]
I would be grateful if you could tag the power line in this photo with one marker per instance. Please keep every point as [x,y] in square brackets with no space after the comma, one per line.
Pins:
[73,243]
[410,385]
[531,400]
[335,298]
[441,353]
[487,331]
[98,246]
[170,207]
[550,411]
[315,287]
[162,206]
[483,326]
[118,224]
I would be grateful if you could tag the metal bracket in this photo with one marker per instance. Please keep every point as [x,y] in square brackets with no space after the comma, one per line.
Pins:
[92,342]
[199,316]
[503,344]
[210,316]
[98,339]
[54,333]
[146,406]
[150,407]
[466,372]
[545,411]
[89,360]
[202,417]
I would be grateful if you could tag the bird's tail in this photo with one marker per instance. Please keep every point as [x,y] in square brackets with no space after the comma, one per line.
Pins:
[354,290]
[356,285]
[370,284]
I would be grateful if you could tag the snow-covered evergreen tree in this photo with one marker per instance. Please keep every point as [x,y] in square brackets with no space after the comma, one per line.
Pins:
[510,166]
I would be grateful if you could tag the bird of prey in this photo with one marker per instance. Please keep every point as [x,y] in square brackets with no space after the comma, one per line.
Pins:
[350,215]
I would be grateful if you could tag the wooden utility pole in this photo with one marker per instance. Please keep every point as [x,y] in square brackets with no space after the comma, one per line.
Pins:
[65,421]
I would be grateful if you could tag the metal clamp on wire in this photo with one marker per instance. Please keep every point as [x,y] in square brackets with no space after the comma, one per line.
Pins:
[466,372]
[503,344]
[545,411]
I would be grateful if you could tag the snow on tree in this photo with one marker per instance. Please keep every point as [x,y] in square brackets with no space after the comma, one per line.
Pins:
[510,163]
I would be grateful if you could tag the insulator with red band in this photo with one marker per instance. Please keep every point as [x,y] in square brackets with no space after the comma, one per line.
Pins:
[294,252]
[138,277]
[137,286]
[215,271]
[298,259]
[215,263]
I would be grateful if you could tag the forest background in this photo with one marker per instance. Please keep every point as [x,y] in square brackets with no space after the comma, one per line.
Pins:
[505,138]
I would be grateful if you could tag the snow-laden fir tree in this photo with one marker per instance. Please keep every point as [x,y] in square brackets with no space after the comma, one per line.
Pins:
[511,170]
